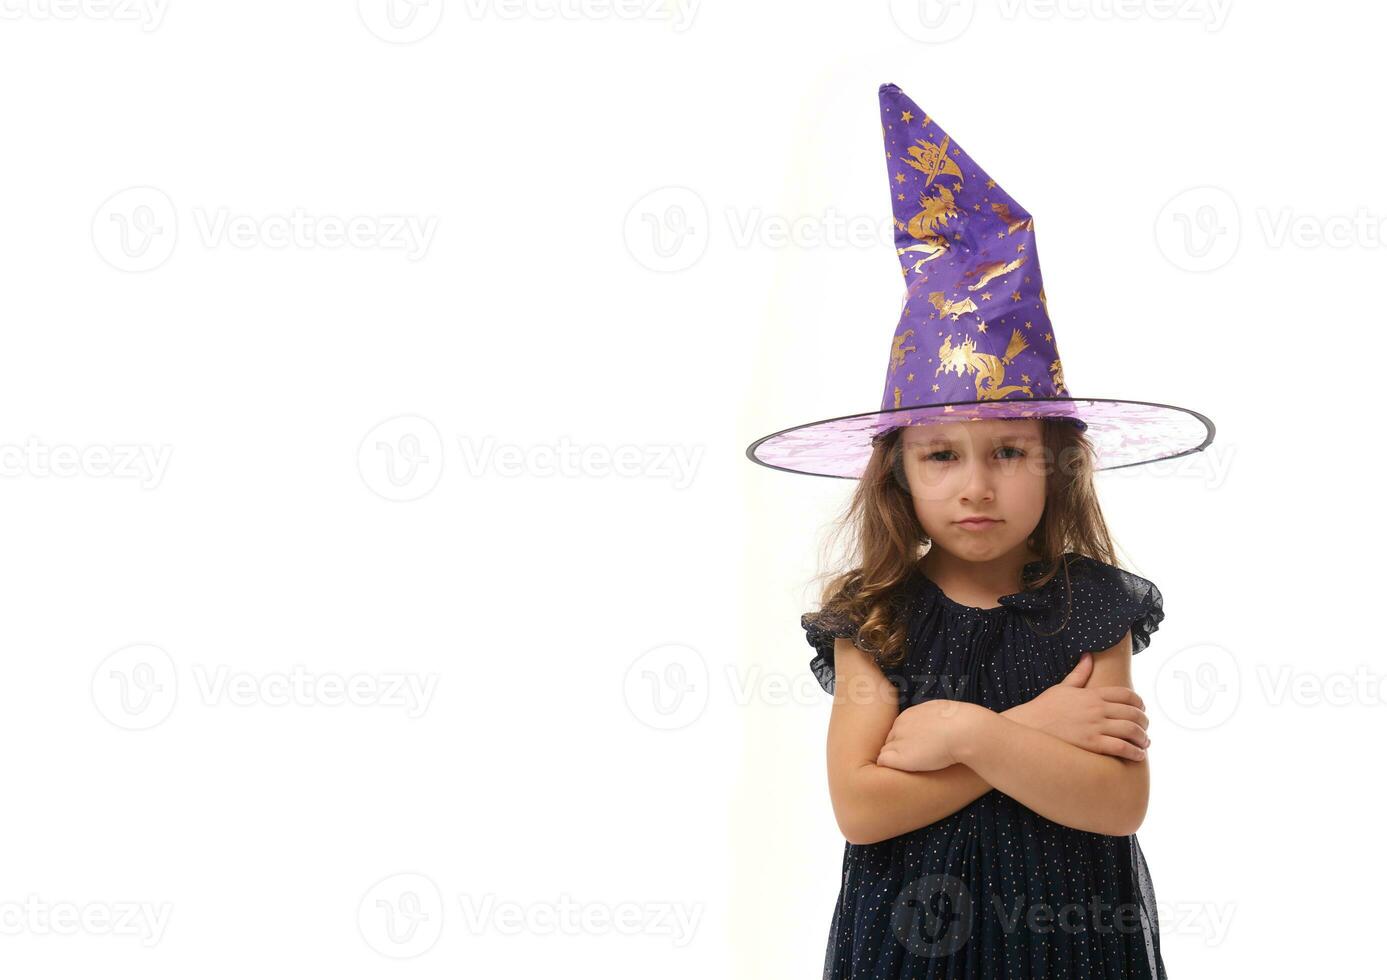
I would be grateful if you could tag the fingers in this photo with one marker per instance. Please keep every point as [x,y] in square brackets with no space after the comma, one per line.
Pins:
[1129,731]
[1120,748]
[890,758]
[1079,675]
[1122,695]
[1126,712]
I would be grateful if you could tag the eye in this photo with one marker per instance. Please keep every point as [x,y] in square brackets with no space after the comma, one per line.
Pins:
[932,457]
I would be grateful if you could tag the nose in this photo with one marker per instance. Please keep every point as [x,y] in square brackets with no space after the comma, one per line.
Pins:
[978,484]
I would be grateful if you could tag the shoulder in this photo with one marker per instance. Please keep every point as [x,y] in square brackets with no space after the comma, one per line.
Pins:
[1104,602]
[822,628]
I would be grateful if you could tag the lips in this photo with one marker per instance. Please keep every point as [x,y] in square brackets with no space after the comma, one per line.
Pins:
[977,523]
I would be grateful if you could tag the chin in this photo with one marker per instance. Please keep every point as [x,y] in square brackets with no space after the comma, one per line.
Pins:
[981,545]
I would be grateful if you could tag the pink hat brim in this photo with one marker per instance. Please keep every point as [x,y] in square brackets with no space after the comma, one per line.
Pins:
[1123,433]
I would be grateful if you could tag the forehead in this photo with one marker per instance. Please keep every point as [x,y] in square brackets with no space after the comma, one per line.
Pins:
[982,430]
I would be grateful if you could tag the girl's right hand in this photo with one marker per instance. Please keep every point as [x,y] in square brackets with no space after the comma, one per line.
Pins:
[1107,720]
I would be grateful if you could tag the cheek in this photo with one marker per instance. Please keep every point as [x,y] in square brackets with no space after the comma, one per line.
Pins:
[933,502]
[1023,491]
[932,483]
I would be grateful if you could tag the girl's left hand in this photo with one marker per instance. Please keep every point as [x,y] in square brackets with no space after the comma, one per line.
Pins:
[923,736]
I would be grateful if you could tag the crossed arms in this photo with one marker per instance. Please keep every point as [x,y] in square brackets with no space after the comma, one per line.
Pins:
[1075,754]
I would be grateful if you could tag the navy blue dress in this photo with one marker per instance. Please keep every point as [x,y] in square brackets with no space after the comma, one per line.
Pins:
[995,890]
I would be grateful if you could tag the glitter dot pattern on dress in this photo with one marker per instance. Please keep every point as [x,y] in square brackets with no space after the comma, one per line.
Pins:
[995,890]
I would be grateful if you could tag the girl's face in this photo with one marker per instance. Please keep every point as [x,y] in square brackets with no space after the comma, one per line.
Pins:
[990,468]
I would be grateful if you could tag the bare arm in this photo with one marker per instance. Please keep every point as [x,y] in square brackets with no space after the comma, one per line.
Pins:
[870,802]
[1103,794]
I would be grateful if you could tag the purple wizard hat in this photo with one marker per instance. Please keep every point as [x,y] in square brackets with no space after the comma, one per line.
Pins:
[974,339]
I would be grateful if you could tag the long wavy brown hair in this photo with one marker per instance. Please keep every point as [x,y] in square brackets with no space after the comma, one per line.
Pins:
[886,537]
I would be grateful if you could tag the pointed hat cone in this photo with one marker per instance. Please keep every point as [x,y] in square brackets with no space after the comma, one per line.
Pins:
[974,340]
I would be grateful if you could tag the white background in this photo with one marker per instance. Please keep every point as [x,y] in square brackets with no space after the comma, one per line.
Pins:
[502,461]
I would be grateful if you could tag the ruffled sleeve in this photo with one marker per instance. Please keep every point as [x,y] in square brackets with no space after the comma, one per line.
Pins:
[821,630]
[1108,601]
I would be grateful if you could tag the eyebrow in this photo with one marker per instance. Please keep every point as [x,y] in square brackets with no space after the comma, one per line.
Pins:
[942,441]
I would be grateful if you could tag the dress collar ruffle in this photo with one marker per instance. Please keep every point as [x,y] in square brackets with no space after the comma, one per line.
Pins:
[1036,603]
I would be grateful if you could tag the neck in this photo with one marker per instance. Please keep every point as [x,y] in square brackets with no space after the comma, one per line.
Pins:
[992,577]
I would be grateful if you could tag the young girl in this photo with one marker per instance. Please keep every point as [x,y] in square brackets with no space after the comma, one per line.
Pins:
[986,752]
